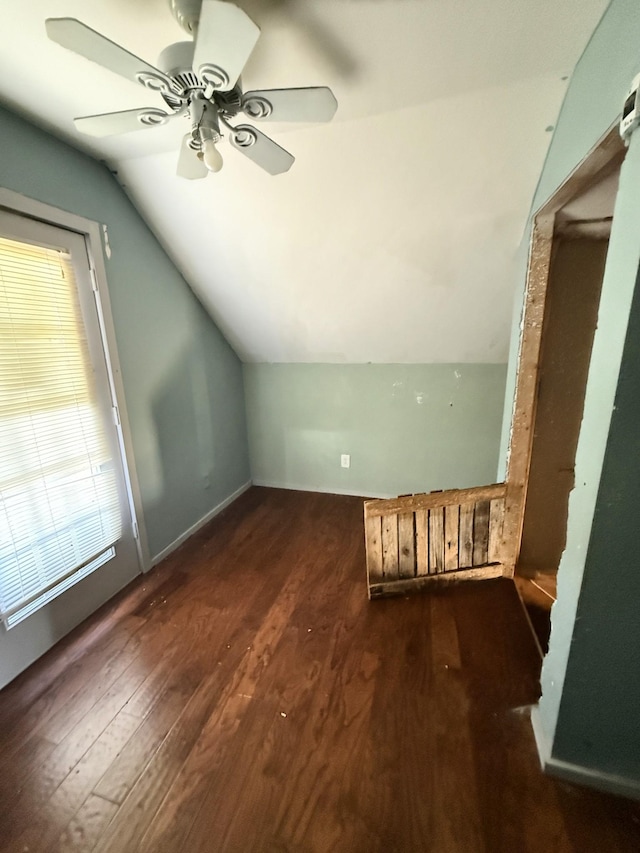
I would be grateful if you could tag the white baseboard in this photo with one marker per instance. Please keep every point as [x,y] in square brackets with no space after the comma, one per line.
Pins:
[296,487]
[542,741]
[609,782]
[201,523]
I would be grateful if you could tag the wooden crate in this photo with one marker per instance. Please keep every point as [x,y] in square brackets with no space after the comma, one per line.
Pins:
[418,539]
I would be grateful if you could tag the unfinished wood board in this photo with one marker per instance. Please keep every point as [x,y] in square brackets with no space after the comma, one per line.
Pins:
[436,540]
[433,499]
[481,533]
[496,518]
[451,534]
[422,542]
[402,587]
[373,548]
[390,565]
[406,545]
[465,554]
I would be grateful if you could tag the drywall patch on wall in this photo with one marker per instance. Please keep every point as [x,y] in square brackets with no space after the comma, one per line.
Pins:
[407,428]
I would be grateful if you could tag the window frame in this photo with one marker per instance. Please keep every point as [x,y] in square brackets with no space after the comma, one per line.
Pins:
[93,232]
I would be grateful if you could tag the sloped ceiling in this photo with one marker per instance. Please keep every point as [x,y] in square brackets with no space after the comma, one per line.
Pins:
[393,238]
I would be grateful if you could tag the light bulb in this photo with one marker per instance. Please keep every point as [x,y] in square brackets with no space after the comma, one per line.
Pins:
[211,156]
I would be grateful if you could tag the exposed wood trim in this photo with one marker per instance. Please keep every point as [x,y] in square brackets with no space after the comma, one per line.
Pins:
[433,500]
[401,587]
[526,396]
[605,156]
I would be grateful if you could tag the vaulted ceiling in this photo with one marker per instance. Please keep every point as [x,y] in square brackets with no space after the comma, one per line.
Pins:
[393,238]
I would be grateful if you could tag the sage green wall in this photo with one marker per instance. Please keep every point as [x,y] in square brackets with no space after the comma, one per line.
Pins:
[598,722]
[182,381]
[407,427]
[623,260]
[592,104]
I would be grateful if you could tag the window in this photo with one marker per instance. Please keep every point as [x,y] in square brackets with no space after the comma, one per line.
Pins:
[63,502]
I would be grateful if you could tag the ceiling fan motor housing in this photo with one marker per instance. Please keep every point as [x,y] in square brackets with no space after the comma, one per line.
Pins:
[176,62]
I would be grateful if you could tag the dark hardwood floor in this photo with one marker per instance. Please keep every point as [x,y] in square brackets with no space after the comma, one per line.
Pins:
[245,696]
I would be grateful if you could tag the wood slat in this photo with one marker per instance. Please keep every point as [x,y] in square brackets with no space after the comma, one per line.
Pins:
[436,540]
[496,518]
[451,535]
[433,500]
[373,545]
[465,553]
[422,541]
[406,545]
[388,589]
[390,565]
[481,533]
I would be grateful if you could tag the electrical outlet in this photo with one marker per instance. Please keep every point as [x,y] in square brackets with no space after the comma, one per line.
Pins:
[345,460]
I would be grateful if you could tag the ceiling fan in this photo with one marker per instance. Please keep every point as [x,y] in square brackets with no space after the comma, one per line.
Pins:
[199,79]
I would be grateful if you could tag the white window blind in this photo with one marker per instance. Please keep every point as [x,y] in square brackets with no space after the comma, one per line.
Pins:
[59,505]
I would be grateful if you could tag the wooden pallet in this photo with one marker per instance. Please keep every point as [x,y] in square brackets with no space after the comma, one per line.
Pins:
[415,540]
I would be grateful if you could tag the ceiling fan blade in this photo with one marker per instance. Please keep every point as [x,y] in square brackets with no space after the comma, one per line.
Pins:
[108,124]
[312,104]
[81,39]
[189,164]
[263,151]
[226,36]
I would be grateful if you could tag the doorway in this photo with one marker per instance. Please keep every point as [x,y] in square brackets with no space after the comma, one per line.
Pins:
[67,531]
[577,243]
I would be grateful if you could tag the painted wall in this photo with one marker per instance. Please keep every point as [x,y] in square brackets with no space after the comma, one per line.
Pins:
[618,285]
[182,380]
[592,104]
[408,427]
[593,101]
[598,717]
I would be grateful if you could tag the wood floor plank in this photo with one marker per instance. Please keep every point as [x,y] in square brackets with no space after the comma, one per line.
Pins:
[39,820]
[136,754]
[248,698]
[73,686]
[207,754]
[86,826]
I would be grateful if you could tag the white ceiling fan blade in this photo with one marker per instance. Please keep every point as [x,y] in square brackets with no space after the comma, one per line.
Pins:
[311,104]
[226,36]
[263,151]
[81,39]
[108,124]
[189,164]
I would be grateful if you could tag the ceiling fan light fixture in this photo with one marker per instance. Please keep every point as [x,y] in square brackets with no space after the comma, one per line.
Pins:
[191,84]
[211,157]
[186,13]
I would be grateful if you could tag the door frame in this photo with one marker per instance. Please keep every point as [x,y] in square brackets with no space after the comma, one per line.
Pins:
[95,237]
[609,149]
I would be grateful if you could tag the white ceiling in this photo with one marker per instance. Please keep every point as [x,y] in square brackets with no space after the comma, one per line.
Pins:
[393,237]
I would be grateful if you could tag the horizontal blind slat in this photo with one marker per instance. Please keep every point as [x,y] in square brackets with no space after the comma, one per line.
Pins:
[59,499]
